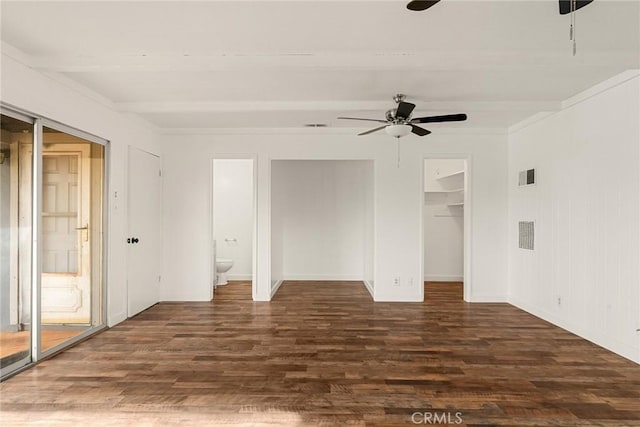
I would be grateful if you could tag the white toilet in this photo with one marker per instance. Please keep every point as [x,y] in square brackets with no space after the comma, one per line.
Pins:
[222,266]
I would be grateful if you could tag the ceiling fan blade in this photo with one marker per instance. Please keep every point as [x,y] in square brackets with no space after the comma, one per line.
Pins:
[372,130]
[368,120]
[418,5]
[445,118]
[404,109]
[565,5]
[419,131]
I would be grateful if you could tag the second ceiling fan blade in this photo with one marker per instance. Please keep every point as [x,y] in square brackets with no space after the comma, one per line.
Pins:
[372,130]
[418,5]
[404,109]
[419,131]
[358,118]
[437,119]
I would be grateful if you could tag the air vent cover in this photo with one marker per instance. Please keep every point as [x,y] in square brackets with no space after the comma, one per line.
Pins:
[527,177]
[525,235]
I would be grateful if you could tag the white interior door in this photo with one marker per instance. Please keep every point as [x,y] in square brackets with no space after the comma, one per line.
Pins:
[66,246]
[144,230]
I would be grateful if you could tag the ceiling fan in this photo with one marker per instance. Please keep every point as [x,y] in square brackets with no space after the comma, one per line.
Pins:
[418,5]
[399,123]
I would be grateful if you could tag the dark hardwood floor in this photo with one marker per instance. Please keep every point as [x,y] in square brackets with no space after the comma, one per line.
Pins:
[322,353]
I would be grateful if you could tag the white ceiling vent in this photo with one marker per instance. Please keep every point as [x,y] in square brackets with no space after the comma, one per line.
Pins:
[527,177]
[525,235]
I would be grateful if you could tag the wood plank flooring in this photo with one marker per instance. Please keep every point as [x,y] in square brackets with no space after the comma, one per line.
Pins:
[322,353]
[16,342]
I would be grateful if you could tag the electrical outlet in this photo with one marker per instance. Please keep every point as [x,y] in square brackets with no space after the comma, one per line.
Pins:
[559,301]
[396,281]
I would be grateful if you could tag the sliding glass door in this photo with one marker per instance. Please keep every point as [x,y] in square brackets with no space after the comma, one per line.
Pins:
[52,268]
[71,275]
[16,150]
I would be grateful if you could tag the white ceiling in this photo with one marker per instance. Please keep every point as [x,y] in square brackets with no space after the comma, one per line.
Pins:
[215,64]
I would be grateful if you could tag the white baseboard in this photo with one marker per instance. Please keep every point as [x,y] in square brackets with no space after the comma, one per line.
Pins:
[369,286]
[620,348]
[442,278]
[488,299]
[239,276]
[275,287]
[116,318]
[325,277]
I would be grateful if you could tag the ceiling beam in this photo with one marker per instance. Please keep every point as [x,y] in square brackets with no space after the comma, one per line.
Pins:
[342,106]
[423,60]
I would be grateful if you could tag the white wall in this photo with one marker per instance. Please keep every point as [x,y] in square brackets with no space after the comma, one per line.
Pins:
[277,216]
[443,225]
[30,90]
[233,214]
[584,273]
[368,238]
[398,199]
[320,215]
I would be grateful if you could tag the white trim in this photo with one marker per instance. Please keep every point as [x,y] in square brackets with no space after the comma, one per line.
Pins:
[530,121]
[577,99]
[275,287]
[605,341]
[239,277]
[324,277]
[316,131]
[442,278]
[600,87]
[36,239]
[499,299]
[116,318]
[369,286]
[16,54]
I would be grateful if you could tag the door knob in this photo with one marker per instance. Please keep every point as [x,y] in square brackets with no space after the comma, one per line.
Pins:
[135,240]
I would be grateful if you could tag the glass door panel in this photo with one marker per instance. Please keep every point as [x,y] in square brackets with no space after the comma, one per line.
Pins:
[16,157]
[72,203]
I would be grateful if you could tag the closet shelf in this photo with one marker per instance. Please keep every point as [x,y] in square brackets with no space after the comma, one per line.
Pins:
[457,190]
[451,175]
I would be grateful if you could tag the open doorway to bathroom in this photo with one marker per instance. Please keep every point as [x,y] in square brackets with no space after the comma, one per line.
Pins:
[322,228]
[233,225]
[445,228]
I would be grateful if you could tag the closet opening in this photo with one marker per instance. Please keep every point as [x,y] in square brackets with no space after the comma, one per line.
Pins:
[446,228]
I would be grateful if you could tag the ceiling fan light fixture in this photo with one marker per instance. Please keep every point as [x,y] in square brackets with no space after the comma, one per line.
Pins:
[398,131]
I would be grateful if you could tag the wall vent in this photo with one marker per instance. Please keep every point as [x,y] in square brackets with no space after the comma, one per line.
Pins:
[525,233]
[527,177]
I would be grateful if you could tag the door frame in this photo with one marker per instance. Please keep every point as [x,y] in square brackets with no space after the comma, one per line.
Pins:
[254,226]
[130,232]
[99,322]
[467,210]
[84,214]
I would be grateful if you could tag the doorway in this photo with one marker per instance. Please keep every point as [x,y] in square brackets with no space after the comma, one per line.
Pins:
[445,226]
[233,207]
[322,223]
